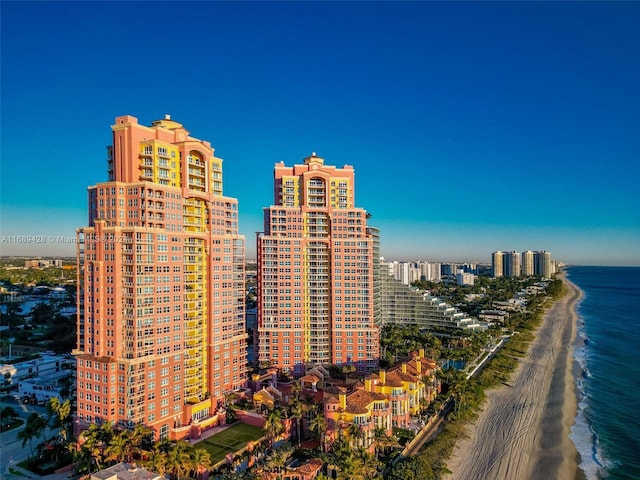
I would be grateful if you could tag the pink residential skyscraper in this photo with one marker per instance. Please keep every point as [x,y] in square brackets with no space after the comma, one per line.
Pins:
[317,272]
[161,328]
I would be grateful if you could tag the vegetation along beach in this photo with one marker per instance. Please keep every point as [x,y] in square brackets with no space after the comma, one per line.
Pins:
[523,428]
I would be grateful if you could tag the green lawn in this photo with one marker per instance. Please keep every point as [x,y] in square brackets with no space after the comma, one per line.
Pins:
[230,440]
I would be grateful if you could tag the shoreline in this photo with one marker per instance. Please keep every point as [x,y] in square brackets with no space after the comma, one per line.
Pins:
[556,446]
[523,431]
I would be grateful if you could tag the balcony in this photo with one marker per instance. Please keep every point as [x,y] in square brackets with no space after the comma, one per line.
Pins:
[196,161]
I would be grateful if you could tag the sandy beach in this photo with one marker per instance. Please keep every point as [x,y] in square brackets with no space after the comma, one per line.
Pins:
[523,430]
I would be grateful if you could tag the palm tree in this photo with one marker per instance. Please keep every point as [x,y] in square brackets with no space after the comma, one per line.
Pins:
[296,388]
[60,418]
[369,464]
[351,468]
[178,459]
[6,415]
[26,435]
[141,439]
[83,460]
[65,386]
[35,427]
[356,435]
[379,434]
[341,423]
[392,340]
[424,404]
[97,438]
[318,425]
[91,450]
[297,412]
[277,459]
[156,462]
[200,461]
[273,425]
[384,441]
[341,449]
[99,433]
[119,448]
[163,446]
[460,390]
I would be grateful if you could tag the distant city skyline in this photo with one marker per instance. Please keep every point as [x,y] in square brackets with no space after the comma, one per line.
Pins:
[473,127]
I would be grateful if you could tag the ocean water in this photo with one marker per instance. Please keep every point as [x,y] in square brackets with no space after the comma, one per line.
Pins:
[607,428]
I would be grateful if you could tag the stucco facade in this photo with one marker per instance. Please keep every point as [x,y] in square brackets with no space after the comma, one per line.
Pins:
[161,334]
[316,272]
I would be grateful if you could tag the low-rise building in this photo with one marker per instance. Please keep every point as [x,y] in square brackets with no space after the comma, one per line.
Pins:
[354,408]
[511,305]
[45,365]
[296,470]
[464,278]
[493,316]
[385,400]
[125,471]
[356,414]
[42,389]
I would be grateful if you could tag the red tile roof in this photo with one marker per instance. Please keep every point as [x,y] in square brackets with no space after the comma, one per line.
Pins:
[358,401]
[310,377]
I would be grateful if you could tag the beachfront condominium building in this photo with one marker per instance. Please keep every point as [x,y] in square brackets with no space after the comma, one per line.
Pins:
[317,266]
[405,305]
[497,264]
[527,263]
[161,333]
[542,263]
[514,264]
[511,264]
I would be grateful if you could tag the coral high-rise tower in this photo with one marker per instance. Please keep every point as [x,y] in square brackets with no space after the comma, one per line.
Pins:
[161,329]
[316,272]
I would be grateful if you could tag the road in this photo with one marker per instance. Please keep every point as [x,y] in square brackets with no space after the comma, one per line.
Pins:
[11,449]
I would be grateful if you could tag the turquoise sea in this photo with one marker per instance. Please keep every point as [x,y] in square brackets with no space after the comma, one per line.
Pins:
[607,351]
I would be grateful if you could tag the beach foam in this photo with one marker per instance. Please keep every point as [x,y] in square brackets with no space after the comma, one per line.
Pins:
[605,372]
[593,463]
[582,435]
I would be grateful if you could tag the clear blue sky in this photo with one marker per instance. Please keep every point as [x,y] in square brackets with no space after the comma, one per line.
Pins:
[472,127]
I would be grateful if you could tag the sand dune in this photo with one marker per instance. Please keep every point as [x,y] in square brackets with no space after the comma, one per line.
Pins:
[523,430]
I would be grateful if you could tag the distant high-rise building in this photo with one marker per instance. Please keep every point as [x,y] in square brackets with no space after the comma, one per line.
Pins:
[409,272]
[497,264]
[316,272]
[161,326]
[448,269]
[511,264]
[527,263]
[464,278]
[542,263]
[435,274]
[403,272]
